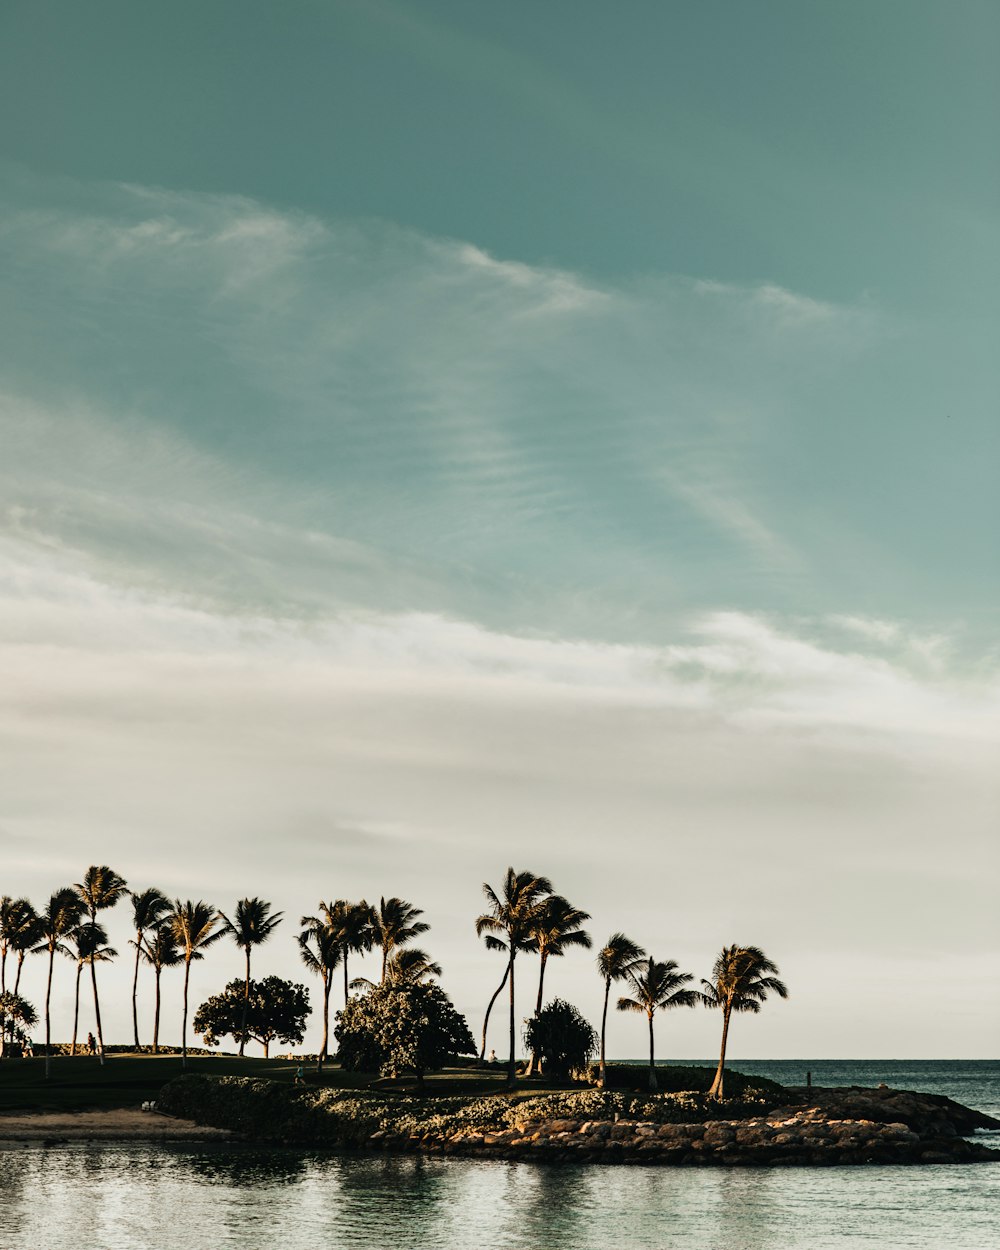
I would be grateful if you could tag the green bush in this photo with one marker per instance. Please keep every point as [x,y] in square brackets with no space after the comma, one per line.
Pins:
[675,1079]
[562,1038]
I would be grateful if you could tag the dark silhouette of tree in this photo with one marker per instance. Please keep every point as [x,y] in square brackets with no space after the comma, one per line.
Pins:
[55,924]
[563,1040]
[614,960]
[742,978]
[350,926]
[148,909]
[393,923]
[193,926]
[321,954]
[18,934]
[160,950]
[277,1009]
[100,888]
[512,914]
[555,928]
[656,987]
[17,1015]
[88,944]
[251,925]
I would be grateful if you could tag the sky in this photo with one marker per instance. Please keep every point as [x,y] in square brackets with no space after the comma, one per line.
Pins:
[441,436]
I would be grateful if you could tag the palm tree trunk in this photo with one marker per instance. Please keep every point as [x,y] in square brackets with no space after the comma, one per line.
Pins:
[385,961]
[652,1061]
[604,1028]
[512,1061]
[326,1022]
[135,988]
[97,1013]
[76,1009]
[717,1084]
[3,971]
[347,988]
[156,1017]
[48,1029]
[246,1007]
[20,965]
[536,1060]
[496,995]
[184,1019]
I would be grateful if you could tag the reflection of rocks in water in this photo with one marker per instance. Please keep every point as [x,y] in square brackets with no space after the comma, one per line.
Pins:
[248,1167]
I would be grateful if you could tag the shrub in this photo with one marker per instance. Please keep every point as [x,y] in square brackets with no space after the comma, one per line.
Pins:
[562,1037]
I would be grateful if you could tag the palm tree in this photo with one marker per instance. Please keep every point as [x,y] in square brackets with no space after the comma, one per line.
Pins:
[614,960]
[252,924]
[350,925]
[193,929]
[18,933]
[656,987]
[412,965]
[393,923]
[56,923]
[556,927]
[160,951]
[102,887]
[321,953]
[742,978]
[148,909]
[512,913]
[89,946]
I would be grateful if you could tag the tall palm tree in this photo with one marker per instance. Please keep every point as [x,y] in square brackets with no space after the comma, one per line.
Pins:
[148,909]
[350,925]
[18,933]
[411,965]
[395,922]
[512,913]
[657,987]
[89,944]
[193,926]
[55,924]
[321,954]
[160,950]
[742,978]
[100,888]
[252,924]
[614,960]
[555,928]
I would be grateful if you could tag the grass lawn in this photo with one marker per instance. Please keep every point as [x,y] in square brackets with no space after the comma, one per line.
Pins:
[80,1083]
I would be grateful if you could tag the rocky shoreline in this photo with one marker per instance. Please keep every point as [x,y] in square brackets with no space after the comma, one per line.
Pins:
[813,1127]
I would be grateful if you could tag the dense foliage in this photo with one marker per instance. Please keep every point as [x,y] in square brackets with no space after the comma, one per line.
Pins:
[276,1009]
[562,1038]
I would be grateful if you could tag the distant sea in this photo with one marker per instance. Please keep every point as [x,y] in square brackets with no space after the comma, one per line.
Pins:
[161,1197]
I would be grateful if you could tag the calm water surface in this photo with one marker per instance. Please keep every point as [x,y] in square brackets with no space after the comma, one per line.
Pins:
[153,1197]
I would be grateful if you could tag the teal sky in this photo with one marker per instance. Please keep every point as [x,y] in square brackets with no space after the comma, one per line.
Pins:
[495,433]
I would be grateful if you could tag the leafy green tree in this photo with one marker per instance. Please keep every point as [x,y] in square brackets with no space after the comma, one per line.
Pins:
[18,934]
[321,954]
[511,913]
[561,1038]
[55,924]
[277,1009]
[556,926]
[742,978]
[656,987]
[16,1016]
[393,923]
[88,944]
[148,909]
[100,888]
[403,1028]
[252,924]
[193,926]
[160,950]
[614,960]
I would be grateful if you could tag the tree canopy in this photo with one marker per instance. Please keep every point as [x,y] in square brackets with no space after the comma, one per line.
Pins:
[277,1010]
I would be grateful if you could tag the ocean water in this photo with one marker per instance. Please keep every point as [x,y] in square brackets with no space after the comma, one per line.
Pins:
[160,1197]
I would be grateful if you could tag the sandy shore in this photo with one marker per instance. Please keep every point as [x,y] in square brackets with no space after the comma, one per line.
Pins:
[85,1126]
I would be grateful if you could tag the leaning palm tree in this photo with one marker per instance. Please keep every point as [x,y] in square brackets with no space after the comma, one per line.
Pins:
[160,950]
[251,925]
[55,924]
[614,960]
[148,909]
[19,933]
[321,954]
[555,928]
[193,926]
[100,888]
[512,913]
[657,987]
[89,944]
[742,978]
[393,923]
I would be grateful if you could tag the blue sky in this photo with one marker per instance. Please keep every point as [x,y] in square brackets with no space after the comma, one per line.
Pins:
[554,434]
